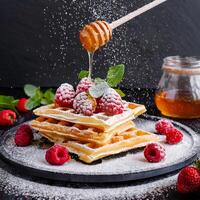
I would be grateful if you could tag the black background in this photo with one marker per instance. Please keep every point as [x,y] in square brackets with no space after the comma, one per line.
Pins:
[39,40]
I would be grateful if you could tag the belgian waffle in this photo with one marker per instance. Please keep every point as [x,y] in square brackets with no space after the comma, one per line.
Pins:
[130,139]
[62,131]
[97,120]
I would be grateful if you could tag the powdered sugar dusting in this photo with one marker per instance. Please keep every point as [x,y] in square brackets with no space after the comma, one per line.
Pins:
[39,189]
[130,163]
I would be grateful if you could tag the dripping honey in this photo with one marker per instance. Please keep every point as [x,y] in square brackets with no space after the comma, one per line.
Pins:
[178,104]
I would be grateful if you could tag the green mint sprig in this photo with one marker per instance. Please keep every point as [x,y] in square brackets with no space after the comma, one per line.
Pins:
[114,76]
[37,96]
[8,102]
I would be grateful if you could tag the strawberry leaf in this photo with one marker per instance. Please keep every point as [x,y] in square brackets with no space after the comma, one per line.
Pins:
[115,75]
[197,164]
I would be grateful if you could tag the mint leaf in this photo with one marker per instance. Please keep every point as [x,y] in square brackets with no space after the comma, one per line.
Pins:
[98,89]
[120,92]
[115,75]
[35,100]
[7,102]
[49,96]
[44,102]
[30,90]
[32,103]
[83,74]
[6,99]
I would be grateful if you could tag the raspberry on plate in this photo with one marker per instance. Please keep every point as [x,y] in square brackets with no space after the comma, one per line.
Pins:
[174,136]
[163,126]
[111,103]
[188,180]
[84,85]
[154,152]
[64,96]
[84,104]
[23,135]
[57,155]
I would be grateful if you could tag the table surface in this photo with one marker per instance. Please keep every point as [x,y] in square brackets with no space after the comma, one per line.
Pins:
[16,185]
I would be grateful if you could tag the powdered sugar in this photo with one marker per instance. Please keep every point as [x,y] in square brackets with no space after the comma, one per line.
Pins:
[132,162]
[39,189]
[84,104]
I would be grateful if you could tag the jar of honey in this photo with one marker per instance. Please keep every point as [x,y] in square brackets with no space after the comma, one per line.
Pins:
[178,92]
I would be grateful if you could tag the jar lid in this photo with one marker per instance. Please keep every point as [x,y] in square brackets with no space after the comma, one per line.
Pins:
[182,65]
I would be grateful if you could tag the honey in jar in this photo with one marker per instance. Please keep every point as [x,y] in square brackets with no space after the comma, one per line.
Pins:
[178,93]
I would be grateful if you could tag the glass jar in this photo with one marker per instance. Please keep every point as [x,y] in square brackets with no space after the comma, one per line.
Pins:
[178,92]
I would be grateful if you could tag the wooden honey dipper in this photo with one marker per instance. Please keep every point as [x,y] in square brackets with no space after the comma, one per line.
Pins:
[98,33]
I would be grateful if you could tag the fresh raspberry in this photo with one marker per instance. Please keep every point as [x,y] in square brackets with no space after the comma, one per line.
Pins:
[163,126]
[154,152]
[84,104]
[7,118]
[23,135]
[21,105]
[64,96]
[110,103]
[84,85]
[188,180]
[174,136]
[57,155]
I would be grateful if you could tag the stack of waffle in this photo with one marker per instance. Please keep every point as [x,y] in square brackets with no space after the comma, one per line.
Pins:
[94,137]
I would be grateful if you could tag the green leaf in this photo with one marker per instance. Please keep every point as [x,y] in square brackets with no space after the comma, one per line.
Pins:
[98,89]
[83,74]
[30,90]
[15,102]
[120,92]
[44,102]
[49,96]
[33,102]
[7,102]
[197,164]
[6,99]
[115,75]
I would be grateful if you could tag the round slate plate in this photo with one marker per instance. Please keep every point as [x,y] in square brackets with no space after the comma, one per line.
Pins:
[122,167]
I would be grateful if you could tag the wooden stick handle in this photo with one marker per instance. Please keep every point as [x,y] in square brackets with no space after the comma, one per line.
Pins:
[136,13]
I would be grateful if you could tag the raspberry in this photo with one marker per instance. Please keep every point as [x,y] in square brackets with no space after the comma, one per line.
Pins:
[174,136]
[84,104]
[154,152]
[163,126]
[21,105]
[57,155]
[84,85]
[111,103]
[23,135]
[65,95]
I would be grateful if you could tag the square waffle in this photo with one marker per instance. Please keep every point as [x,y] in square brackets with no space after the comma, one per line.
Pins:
[97,120]
[61,131]
[130,139]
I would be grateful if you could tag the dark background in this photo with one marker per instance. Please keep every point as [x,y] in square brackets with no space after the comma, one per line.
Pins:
[39,40]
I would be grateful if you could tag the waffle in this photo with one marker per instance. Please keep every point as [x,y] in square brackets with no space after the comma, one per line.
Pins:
[97,120]
[61,131]
[130,139]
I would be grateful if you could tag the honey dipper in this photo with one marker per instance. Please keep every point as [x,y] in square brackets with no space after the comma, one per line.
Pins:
[98,33]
